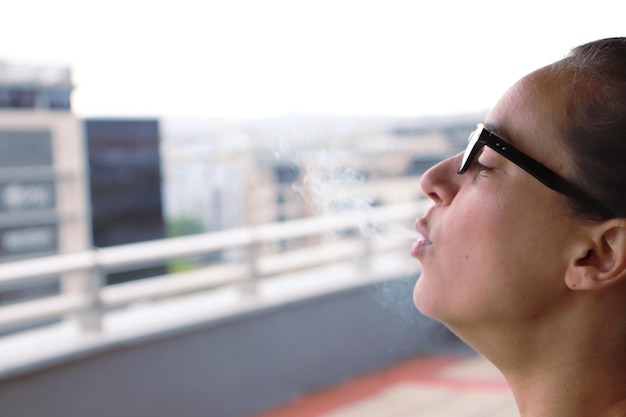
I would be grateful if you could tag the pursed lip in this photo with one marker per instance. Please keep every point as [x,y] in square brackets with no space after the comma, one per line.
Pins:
[420,244]
[420,226]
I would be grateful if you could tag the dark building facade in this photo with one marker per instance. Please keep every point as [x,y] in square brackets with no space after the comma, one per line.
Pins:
[125,184]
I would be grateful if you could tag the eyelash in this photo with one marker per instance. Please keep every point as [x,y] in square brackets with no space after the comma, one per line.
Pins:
[480,166]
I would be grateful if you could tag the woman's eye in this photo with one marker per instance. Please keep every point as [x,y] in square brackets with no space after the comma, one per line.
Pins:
[480,166]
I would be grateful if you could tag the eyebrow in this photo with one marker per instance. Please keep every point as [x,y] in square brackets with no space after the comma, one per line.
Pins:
[501,133]
[496,130]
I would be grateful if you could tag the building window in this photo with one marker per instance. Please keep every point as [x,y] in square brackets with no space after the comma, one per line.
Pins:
[17,98]
[286,173]
[58,99]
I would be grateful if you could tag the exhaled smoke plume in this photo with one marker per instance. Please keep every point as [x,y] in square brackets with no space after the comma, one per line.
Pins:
[331,186]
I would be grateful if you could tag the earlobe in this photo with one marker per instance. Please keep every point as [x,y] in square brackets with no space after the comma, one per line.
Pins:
[602,262]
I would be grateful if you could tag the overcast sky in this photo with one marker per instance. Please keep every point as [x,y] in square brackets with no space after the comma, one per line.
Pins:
[236,58]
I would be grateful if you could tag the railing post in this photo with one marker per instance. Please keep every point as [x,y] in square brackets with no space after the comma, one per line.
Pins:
[90,319]
[86,284]
[365,263]
[249,286]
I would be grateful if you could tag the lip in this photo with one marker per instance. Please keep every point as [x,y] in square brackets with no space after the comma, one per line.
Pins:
[419,245]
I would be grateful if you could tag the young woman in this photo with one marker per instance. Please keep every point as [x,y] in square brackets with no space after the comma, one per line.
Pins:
[524,249]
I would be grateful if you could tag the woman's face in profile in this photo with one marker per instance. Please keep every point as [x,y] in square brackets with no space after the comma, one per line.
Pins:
[500,239]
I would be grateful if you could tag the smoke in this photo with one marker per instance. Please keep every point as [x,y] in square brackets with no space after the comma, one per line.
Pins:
[331,185]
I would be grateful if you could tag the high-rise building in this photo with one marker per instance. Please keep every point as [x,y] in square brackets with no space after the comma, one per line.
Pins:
[43,189]
[125,183]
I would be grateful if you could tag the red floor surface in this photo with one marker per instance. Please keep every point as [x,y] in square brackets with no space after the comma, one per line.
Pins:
[421,370]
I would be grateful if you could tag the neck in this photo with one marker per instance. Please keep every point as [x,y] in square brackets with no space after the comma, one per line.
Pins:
[560,368]
[578,389]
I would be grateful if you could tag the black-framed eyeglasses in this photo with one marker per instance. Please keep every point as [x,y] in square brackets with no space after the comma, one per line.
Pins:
[483,137]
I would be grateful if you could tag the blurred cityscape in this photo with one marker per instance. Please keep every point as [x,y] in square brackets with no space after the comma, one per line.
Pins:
[227,265]
[69,184]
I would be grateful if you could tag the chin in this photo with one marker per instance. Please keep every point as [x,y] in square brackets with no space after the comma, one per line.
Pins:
[434,302]
[425,301]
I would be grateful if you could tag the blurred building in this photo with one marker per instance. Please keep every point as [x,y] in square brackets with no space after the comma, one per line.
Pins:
[125,185]
[202,185]
[43,190]
[219,175]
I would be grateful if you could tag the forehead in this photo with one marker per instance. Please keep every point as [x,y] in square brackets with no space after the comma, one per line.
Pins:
[530,116]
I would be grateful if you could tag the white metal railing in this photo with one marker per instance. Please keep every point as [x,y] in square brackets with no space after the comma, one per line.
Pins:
[85,298]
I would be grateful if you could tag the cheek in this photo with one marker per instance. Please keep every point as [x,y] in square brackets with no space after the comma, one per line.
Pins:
[490,256]
[479,263]
[454,268]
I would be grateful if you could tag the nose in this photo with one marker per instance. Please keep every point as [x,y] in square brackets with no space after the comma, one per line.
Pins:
[441,182]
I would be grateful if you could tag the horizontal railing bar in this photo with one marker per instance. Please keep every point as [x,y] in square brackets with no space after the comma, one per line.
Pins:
[173,284]
[122,255]
[164,249]
[309,257]
[103,260]
[45,266]
[145,252]
[214,276]
[31,311]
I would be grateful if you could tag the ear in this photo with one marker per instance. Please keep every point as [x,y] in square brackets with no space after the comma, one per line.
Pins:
[601,260]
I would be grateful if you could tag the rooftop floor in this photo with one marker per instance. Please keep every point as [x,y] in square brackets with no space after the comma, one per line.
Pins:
[459,386]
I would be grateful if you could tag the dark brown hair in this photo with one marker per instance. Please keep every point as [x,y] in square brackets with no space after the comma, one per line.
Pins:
[595,125]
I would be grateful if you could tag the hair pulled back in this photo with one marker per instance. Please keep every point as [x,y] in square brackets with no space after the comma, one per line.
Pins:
[595,125]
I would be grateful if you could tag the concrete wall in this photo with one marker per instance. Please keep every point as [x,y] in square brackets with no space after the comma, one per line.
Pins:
[237,365]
